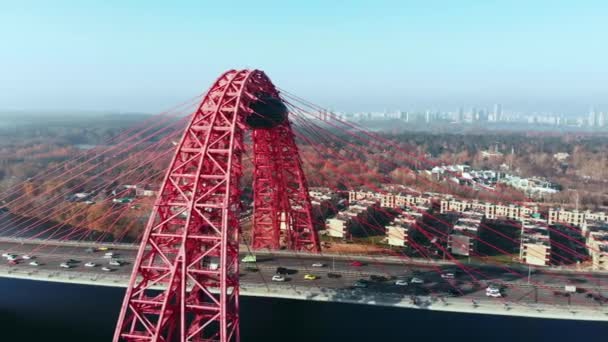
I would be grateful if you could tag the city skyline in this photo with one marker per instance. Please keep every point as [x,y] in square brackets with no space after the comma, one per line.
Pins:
[541,56]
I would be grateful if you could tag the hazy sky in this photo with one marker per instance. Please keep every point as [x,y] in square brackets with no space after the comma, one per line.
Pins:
[346,55]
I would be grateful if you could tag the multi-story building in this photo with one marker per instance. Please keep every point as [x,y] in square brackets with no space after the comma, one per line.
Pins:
[357,213]
[535,243]
[401,201]
[575,217]
[464,235]
[597,244]
[490,210]
[398,231]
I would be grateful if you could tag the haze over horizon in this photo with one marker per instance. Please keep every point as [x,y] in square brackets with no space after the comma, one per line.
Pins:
[370,56]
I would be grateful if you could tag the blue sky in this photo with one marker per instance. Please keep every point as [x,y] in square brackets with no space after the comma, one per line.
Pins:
[346,55]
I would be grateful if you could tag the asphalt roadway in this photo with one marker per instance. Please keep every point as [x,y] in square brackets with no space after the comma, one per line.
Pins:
[545,286]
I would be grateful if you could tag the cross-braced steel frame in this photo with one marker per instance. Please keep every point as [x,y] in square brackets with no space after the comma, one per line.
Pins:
[185,284]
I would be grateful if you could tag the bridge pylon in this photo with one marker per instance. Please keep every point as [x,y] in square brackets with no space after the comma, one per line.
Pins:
[185,280]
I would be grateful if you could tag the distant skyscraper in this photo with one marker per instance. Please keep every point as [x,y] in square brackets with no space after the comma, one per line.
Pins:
[591,121]
[498,112]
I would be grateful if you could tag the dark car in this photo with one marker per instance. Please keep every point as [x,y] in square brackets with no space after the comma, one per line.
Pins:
[333,275]
[453,293]
[377,278]
[281,271]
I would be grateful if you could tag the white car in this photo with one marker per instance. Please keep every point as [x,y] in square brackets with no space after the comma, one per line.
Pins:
[318,264]
[34,263]
[106,269]
[114,263]
[447,275]
[11,257]
[278,277]
[416,281]
[493,291]
[5,255]
[90,264]
[28,257]
[65,265]
[401,282]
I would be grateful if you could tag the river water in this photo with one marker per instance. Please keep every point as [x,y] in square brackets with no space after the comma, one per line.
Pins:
[40,311]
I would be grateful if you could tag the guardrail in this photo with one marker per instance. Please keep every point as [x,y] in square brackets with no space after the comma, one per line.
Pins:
[356,296]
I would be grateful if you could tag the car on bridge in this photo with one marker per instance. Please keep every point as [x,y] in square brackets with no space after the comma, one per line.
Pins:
[249,258]
[494,291]
[90,264]
[318,264]
[107,269]
[28,257]
[278,277]
[361,283]
[401,282]
[115,263]
[356,263]
[448,275]
[34,263]
[309,276]
[377,278]
[65,265]
[333,275]
[417,280]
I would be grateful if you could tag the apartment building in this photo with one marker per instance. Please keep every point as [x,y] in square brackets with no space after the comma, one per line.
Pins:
[535,243]
[597,243]
[462,240]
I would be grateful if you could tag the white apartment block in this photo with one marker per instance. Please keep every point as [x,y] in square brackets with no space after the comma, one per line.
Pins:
[463,238]
[397,232]
[490,210]
[597,243]
[535,246]
[339,226]
[575,217]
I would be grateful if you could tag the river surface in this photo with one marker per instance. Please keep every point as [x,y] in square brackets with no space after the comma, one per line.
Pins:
[40,311]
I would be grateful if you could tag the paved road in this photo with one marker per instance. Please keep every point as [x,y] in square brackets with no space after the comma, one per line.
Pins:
[466,285]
